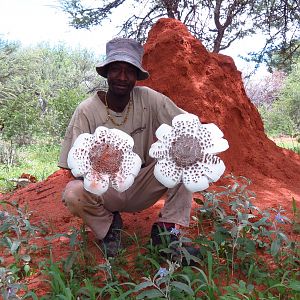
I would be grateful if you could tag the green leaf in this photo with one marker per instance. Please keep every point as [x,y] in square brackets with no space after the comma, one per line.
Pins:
[31,295]
[154,262]
[5,227]
[186,255]
[220,237]
[70,261]
[294,205]
[199,201]
[182,287]
[294,285]
[283,236]
[185,277]
[15,246]
[275,246]
[26,258]
[26,269]
[209,265]
[150,294]
[143,285]
[235,186]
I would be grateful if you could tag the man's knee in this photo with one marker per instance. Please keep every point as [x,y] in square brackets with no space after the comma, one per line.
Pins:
[72,196]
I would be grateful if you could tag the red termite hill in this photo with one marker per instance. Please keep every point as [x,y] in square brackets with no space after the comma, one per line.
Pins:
[210,86]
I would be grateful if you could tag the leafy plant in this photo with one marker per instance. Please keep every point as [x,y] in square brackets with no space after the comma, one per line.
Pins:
[16,231]
[50,83]
[233,234]
[16,236]
[282,116]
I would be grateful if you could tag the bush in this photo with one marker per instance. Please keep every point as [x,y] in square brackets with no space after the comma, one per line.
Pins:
[42,90]
[277,121]
[59,113]
[281,116]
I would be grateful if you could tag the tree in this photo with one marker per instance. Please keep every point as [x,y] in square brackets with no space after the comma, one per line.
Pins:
[290,95]
[266,90]
[10,66]
[278,100]
[279,21]
[217,23]
[284,59]
[45,85]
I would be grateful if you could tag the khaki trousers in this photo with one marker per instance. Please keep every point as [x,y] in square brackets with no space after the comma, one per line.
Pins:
[96,211]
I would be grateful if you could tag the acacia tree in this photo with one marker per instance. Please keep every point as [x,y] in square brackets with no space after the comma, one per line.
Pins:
[279,20]
[10,65]
[40,88]
[290,95]
[265,91]
[217,23]
[277,97]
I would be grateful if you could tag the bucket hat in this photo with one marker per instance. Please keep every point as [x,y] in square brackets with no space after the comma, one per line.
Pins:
[126,50]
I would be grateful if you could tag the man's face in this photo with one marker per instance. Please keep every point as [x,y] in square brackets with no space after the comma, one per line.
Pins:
[121,77]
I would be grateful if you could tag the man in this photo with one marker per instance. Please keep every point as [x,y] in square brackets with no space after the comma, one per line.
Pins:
[138,111]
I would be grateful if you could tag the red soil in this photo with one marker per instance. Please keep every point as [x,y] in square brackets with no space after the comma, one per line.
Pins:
[210,86]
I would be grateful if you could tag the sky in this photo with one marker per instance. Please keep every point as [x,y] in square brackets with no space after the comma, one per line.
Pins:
[34,21]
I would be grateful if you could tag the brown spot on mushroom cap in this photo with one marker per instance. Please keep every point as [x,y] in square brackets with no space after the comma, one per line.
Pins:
[105,158]
[186,150]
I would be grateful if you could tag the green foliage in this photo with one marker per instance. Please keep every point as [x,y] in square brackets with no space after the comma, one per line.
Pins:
[19,116]
[291,144]
[282,117]
[60,110]
[232,235]
[8,154]
[16,232]
[16,239]
[240,226]
[284,59]
[10,64]
[277,121]
[38,160]
[39,80]
[164,285]
[290,95]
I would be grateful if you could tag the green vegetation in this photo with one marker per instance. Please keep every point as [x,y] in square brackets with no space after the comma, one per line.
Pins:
[246,254]
[39,89]
[291,144]
[38,160]
[278,101]
[281,117]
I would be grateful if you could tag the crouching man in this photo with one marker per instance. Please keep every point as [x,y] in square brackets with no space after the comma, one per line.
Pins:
[138,111]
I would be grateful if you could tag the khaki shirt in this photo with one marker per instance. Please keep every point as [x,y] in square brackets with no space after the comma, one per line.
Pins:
[148,111]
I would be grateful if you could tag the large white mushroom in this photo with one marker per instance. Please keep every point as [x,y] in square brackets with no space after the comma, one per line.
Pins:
[104,159]
[185,152]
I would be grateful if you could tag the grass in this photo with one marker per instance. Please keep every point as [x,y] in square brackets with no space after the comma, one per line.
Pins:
[288,143]
[39,160]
